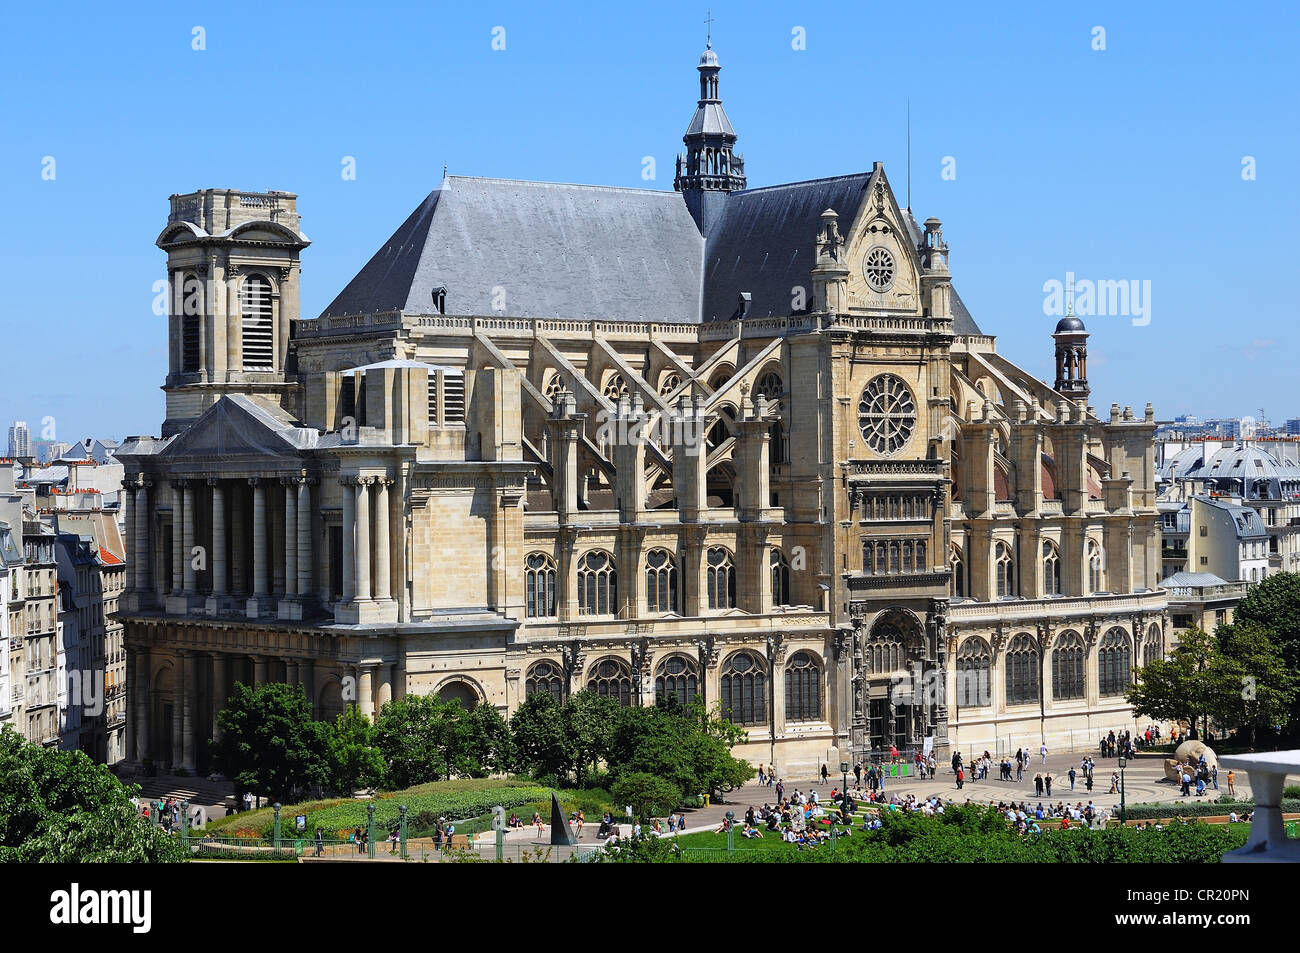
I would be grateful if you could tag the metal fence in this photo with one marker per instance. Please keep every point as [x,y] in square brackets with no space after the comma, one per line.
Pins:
[417,850]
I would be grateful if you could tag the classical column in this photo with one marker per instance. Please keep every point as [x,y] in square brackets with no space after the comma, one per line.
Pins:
[261,565]
[290,537]
[362,553]
[130,519]
[143,566]
[178,704]
[143,683]
[365,692]
[291,671]
[218,691]
[276,520]
[217,558]
[383,685]
[178,535]
[349,540]
[304,536]
[238,541]
[382,575]
[187,539]
[187,712]
[259,670]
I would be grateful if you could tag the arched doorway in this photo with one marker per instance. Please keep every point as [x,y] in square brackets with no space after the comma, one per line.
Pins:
[461,691]
[892,701]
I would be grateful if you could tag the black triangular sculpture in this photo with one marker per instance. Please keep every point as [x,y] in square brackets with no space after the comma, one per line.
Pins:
[560,833]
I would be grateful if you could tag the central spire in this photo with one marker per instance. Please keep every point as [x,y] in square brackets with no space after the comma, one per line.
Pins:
[711,168]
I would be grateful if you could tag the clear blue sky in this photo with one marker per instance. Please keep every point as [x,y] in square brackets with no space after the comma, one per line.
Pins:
[1117,164]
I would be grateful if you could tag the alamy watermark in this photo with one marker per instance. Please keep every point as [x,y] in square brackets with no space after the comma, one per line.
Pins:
[1105,297]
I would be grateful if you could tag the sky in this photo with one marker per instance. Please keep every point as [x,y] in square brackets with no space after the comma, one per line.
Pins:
[1153,144]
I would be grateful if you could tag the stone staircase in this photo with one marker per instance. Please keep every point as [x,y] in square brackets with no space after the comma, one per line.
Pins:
[216,796]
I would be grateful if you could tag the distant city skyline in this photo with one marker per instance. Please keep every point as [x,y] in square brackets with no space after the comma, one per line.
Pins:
[1147,165]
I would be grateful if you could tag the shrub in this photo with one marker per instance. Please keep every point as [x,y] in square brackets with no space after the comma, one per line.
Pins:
[648,794]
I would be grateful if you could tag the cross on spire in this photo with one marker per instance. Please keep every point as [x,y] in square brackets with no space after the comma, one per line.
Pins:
[708,26]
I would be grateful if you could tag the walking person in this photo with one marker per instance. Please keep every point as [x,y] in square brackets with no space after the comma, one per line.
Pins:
[1042,750]
[1047,783]
[960,777]
[1072,776]
[1038,785]
[1232,791]
[857,773]
[823,773]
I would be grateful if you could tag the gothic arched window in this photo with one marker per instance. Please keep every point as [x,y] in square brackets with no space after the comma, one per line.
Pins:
[780,574]
[612,678]
[744,690]
[1153,647]
[770,386]
[1005,567]
[539,586]
[188,304]
[1114,662]
[671,381]
[883,652]
[1067,667]
[616,387]
[1096,580]
[597,584]
[677,677]
[803,688]
[258,325]
[974,665]
[660,581]
[721,579]
[1051,569]
[554,384]
[545,678]
[1021,664]
[958,566]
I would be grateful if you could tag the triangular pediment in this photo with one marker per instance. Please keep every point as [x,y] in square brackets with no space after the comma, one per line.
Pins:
[238,427]
[885,268]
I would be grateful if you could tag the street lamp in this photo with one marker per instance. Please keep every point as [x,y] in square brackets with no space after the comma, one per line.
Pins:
[844,795]
[1123,815]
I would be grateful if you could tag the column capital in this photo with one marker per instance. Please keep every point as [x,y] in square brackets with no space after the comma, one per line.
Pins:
[254,481]
[179,484]
[215,481]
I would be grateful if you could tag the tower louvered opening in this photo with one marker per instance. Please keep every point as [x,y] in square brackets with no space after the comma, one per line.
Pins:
[259,328]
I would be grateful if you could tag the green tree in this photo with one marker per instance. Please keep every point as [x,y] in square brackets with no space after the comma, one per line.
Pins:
[61,807]
[1258,690]
[1180,686]
[648,794]
[540,742]
[354,760]
[1273,605]
[418,737]
[269,742]
[486,745]
[685,745]
[588,728]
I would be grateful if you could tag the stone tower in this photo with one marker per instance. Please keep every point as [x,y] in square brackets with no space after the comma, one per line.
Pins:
[1072,359]
[232,269]
[711,168]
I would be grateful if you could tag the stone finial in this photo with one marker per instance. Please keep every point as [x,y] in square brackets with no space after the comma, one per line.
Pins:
[1114,413]
[1150,415]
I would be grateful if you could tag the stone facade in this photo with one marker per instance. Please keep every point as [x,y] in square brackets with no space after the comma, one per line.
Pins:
[849,525]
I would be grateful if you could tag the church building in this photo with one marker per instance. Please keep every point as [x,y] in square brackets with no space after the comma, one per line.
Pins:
[739,444]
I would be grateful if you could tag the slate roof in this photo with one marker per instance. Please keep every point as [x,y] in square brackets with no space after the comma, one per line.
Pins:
[598,253]
[572,251]
[765,243]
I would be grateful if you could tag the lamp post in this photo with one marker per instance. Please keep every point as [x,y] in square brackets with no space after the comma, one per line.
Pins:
[1123,814]
[844,792]
[276,808]
[370,830]
[731,830]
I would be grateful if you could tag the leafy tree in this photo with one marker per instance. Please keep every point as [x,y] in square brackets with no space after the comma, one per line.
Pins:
[486,742]
[588,726]
[540,742]
[685,745]
[648,794]
[1180,686]
[354,760]
[417,737]
[1273,604]
[269,742]
[1258,689]
[61,807]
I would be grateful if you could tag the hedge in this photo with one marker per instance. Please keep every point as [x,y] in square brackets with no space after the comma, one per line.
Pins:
[1201,808]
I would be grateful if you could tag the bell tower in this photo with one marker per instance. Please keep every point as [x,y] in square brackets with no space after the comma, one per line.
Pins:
[1072,358]
[232,276]
[711,167]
